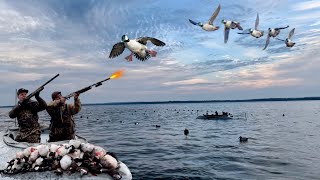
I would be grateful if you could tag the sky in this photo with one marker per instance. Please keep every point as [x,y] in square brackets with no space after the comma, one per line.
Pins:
[39,39]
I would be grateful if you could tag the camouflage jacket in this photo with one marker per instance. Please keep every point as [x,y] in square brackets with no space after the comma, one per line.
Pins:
[27,113]
[62,115]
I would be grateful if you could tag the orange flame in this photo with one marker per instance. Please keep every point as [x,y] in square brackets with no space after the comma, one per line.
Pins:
[117,74]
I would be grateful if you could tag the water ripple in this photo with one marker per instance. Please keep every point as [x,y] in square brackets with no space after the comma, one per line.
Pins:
[278,147]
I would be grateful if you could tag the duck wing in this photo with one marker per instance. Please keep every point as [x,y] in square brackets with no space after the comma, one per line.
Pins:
[281,28]
[214,15]
[193,22]
[267,42]
[237,24]
[144,40]
[257,22]
[246,31]
[117,49]
[280,39]
[291,33]
[226,34]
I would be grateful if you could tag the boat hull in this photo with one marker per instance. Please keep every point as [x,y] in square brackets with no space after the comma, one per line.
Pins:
[9,147]
[214,117]
[10,134]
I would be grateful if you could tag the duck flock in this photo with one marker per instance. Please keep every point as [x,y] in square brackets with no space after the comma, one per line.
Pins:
[139,49]
[72,157]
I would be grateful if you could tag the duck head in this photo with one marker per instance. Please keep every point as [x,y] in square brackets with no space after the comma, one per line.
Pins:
[75,143]
[125,38]
[223,21]
[200,24]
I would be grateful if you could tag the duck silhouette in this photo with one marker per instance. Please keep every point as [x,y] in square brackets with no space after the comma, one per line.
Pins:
[243,139]
[186,131]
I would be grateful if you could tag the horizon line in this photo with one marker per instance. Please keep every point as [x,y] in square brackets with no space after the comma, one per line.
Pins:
[200,101]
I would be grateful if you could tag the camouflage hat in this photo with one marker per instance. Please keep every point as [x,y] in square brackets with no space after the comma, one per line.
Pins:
[55,94]
[21,90]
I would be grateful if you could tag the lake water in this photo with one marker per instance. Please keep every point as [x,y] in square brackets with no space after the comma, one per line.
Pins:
[279,147]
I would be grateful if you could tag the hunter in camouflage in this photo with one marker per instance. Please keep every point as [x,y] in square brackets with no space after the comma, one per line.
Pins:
[26,113]
[62,125]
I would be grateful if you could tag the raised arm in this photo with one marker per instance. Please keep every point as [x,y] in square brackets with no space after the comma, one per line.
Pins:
[41,105]
[76,107]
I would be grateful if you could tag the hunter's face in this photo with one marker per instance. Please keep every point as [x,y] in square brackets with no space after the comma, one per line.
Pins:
[22,96]
[58,97]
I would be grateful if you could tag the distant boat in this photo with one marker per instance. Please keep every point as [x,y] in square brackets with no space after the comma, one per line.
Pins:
[215,117]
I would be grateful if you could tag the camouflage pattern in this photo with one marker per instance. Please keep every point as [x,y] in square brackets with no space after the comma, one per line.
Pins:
[62,125]
[27,116]
[30,135]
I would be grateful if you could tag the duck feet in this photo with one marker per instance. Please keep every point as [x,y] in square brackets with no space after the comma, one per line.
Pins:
[152,53]
[129,58]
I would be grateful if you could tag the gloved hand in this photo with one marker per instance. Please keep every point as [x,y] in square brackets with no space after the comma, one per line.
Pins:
[76,96]
[38,93]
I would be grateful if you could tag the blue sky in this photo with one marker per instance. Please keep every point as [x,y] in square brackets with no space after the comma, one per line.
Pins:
[39,39]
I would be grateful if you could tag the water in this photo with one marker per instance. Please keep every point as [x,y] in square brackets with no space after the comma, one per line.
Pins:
[279,147]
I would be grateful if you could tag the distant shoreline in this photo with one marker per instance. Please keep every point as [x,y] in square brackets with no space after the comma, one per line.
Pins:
[201,101]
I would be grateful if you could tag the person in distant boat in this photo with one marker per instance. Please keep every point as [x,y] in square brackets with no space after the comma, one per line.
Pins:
[216,113]
[26,112]
[62,125]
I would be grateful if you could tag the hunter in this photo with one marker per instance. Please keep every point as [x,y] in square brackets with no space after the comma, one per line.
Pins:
[62,125]
[26,112]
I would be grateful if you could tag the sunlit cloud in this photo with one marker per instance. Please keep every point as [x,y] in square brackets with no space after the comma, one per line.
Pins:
[187,82]
[300,6]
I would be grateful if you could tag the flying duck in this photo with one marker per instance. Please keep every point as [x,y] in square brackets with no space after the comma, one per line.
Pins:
[209,25]
[137,47]
[229,25]
[288,40]
[273,32]
[254,32]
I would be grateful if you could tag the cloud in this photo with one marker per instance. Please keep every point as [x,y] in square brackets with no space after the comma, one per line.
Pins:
[302,6]
[187,82]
